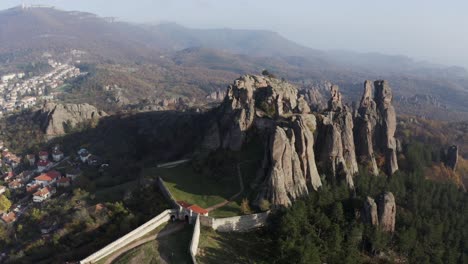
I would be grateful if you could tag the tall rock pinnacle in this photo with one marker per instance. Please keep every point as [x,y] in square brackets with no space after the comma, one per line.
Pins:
[335,135]
[375,126]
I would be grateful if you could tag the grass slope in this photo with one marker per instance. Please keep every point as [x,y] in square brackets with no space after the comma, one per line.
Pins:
[251,247]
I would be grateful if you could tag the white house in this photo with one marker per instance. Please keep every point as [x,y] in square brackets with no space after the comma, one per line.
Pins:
[43,194]
[57,155]
[2,190]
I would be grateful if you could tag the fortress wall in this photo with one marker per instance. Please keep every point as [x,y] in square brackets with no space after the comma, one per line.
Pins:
[195,239]
[137,233]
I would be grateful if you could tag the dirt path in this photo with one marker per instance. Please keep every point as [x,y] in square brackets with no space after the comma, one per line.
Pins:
[164,233]
[241,183]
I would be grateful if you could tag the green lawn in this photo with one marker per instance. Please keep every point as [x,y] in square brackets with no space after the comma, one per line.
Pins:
[197,188]
[173,248]
[251,247]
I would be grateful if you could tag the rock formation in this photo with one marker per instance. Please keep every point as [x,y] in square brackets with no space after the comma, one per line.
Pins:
[336,148]
[273,109]
[451,158]
[370,212]
[375,125]
[276,112]
[58,118]
[387,212]
[382,214]
[386,125]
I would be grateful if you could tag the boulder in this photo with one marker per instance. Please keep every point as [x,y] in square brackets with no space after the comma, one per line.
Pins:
[57,119]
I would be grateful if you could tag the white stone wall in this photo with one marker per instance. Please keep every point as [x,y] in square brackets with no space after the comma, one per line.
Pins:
[195,239]
[130,237]
[236,223]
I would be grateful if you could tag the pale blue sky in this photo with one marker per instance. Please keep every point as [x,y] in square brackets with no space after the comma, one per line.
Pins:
[425,29]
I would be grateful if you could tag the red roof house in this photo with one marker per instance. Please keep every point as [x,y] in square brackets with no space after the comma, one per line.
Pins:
[193,207]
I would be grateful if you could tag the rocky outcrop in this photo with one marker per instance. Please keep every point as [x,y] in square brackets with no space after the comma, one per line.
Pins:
[451,158]
[57,119]
[216,96]
[370,212]
[387,212]
[336,148]
[285,181]
[382,214]
[272,109]
[303,127]
[375,126]
[365,123]
[386,125]
[251,96]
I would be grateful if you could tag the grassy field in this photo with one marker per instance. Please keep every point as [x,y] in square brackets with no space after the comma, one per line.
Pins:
[197,188]
[173,248]
[215,247]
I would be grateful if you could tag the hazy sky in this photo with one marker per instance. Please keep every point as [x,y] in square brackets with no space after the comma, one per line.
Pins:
[429,29]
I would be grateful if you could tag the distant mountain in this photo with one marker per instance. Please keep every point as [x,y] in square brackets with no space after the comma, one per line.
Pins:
[196,61]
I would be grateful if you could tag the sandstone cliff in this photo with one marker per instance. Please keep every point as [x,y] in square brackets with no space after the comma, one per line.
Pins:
[273,109]
[375,125]
[276,112]
[57,119]
[335,134]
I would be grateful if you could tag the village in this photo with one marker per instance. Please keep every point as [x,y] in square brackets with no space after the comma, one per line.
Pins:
[33,180]
[19,92]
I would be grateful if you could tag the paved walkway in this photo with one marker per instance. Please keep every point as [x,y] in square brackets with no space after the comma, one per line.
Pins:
[161,234]
[225,202]
[173,164]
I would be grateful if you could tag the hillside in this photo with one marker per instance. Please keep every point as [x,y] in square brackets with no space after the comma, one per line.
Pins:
[170,60]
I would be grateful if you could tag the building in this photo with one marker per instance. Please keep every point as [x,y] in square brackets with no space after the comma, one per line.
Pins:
[9,218]
[57,155]
[191,210]
[31,158]
[9,176]
[43,155]
[64,182]
[2,190]
[25,176]
[32,187]
[48,178]
[84,156]
[43,194]
[15,185]
[42,165]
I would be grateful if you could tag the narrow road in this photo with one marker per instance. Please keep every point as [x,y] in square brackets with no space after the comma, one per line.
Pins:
[164,233]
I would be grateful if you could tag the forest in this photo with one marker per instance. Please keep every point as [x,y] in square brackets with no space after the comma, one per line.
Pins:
[326,228]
